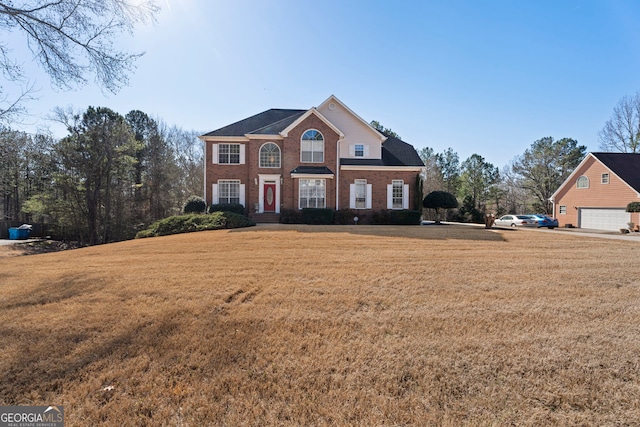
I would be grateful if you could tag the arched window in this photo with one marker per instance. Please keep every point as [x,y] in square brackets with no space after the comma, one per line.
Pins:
[312,147]
[583,182]
[270,155]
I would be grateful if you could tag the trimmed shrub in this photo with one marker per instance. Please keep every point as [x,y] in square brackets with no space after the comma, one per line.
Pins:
[195,204]
[380,217]
[195,222]
[345,216]
[317,216]
[144,233]
[633,207]
[228,207]
[405,217]
[290,216]
[439,200]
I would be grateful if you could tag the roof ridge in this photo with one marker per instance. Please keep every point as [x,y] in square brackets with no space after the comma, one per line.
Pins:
[278,121]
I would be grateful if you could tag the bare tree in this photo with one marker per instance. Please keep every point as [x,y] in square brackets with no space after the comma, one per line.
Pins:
[70,39]
[621,133]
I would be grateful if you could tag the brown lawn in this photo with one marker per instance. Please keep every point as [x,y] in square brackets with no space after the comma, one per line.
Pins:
[327,326]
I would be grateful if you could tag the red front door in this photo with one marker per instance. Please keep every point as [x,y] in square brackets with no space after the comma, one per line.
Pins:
[269,197]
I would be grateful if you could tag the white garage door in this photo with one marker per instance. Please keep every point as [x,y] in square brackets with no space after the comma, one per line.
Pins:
[604,219]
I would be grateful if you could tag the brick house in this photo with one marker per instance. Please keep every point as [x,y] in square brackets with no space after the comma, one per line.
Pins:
[324,157]
[598,191]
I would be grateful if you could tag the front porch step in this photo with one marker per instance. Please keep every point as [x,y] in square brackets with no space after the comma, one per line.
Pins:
[265,218]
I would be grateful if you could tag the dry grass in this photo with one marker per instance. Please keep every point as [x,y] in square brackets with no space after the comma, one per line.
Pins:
[361,326]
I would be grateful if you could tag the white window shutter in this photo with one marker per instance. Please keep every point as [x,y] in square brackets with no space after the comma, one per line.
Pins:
[352,150]
[405,196]
[214,154]
[242,188]
[352,196]
[389,196]
[242,154]
[366,151]
[369,193]
[214,194]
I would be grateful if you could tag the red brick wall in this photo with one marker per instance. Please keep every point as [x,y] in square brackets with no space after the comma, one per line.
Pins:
[214,172]
[290,159]
[379,181]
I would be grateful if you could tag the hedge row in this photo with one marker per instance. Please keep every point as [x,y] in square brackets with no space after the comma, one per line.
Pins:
[347,216]
[195,222]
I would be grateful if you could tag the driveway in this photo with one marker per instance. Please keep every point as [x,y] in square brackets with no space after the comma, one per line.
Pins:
[6,242]
[582,232]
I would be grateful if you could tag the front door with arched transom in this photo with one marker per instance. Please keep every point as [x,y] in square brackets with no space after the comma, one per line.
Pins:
[269,197]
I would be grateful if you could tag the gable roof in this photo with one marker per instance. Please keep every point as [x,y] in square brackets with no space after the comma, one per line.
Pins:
[625,165]
[308,113]
[395,152]
[335,100]
[270,122]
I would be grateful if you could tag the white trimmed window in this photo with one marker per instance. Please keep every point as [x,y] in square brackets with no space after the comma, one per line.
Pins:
[360,194]
[397,195]
[228,191]
[562,210]
[270,155]
[358,150]
[227,154]
[583,182]
[312,193]
[312,147]
[604,178]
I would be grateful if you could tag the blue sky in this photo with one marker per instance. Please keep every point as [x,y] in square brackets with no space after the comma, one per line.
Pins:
[485,77]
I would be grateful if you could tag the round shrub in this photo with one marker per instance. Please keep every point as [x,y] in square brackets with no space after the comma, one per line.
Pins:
[633,207]
[195,204]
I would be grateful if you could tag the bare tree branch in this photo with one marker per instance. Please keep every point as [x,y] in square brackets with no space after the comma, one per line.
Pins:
[72,39]
[621,133]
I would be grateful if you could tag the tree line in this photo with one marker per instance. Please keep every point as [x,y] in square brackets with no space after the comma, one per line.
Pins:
[524,185]
[108,178]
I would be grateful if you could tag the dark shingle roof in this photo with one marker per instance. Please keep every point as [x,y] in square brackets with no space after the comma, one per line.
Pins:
[271,122]
[395,152]
[313,170]
[625,165]
[268,122]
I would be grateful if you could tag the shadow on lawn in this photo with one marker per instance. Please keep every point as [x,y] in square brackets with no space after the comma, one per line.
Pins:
[427,232]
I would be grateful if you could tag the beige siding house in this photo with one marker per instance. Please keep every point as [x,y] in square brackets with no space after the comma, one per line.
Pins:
[598,191]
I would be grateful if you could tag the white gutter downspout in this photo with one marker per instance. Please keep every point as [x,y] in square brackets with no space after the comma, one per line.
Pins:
[338,173]
[204,171]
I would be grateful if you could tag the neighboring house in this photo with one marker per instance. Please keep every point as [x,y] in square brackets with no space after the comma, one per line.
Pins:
[598,191]
[324,157]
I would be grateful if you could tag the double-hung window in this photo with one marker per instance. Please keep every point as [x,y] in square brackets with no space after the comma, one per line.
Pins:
[312,147]
[312,193]
[359,150]
[229,154]
[397,194]
[604,179]
[361,193]
[229,191]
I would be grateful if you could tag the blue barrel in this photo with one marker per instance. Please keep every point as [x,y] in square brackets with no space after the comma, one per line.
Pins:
[14,233]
